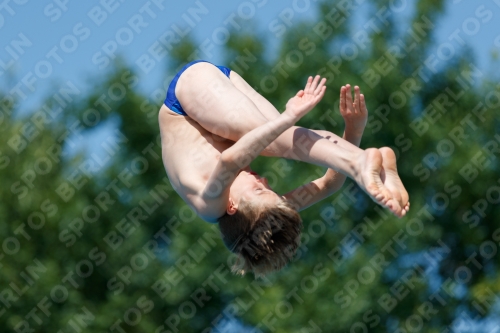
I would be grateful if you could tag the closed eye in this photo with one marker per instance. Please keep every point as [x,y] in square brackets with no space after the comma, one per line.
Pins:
[263,191]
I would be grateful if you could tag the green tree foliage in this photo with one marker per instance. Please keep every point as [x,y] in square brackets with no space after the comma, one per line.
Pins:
[99,241]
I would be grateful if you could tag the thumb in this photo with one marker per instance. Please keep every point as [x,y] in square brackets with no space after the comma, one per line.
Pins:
[300,93]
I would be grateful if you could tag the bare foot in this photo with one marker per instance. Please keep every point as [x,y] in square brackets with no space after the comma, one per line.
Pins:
[391,179]
[370,180]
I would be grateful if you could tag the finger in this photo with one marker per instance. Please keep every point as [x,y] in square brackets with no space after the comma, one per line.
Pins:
[342,99]
[348,97]
[300,93]
[357,100]
[320,94]
[314,84]
[308,84]
[320,86]
[362,104]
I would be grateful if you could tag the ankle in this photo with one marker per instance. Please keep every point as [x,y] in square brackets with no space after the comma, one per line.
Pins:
[356,164]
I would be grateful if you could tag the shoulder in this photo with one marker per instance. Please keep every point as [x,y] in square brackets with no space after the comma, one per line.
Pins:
[209,211]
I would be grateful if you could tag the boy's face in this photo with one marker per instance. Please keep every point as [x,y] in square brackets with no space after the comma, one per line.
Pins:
[252,187]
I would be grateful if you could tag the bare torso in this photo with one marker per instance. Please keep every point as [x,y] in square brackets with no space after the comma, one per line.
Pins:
[190,153]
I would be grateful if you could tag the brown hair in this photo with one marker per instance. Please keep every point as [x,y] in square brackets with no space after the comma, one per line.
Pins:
[265,239]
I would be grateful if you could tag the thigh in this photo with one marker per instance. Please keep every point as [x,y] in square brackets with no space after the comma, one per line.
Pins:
[264,106]
[213,101]
[268,110]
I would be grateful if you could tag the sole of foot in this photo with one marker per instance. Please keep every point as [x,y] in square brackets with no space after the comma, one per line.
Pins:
[370,178]
[391,180]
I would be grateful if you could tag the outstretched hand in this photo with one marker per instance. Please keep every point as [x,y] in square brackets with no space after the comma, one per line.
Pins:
[354,113]
[305,100]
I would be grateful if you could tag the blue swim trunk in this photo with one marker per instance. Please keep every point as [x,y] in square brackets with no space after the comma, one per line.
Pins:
[171,100]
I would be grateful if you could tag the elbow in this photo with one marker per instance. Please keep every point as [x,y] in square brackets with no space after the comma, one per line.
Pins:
[227,161]
[226,157]
[232,161]
[335,185]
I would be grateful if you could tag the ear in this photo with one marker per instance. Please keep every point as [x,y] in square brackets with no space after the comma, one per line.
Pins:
[232,207]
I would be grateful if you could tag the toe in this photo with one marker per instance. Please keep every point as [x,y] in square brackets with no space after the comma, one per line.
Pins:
[398,198]
[394,207]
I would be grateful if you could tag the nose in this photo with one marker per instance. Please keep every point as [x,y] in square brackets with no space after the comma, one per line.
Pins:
[258,177]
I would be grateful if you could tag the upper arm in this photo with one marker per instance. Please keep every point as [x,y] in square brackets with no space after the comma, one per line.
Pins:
[220,180]
[211,202]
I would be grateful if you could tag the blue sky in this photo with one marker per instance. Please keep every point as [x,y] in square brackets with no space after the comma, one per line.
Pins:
[67,40]
[80,30]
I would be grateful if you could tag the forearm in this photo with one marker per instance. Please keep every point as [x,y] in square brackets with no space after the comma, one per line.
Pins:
[353,135]
[251,145]
[307,195]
